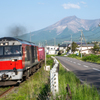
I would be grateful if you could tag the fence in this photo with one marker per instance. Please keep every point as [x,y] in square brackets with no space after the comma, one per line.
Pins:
[54,77]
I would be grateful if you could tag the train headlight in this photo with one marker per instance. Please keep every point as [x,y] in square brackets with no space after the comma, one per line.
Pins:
[6,43]
[12,60]
[1,43]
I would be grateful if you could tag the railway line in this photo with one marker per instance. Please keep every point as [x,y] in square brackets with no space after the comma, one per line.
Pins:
[4,91]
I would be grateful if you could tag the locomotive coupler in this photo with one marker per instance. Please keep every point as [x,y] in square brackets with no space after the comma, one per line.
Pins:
[15,70]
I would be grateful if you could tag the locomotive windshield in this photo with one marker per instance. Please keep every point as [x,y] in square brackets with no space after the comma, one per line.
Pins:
[1,51]
[10,50]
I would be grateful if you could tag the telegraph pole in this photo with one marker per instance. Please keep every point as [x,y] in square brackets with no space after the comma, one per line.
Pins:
[45,53]
[54,41]
[30,36]
[71,43]
[85,41]
[81,43]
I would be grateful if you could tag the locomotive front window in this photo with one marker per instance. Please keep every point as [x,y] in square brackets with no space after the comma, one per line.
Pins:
[1,51]
[12,50]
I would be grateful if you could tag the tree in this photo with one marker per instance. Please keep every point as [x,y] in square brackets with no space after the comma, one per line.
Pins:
[96,48]
[58,45]
[74,46]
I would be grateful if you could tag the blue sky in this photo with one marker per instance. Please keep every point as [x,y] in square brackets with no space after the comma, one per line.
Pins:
[38,14]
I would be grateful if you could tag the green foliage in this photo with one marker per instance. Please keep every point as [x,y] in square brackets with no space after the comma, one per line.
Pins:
[78,90]
[92,58]
[58,44]
[74,46]
[89,58]
[96,48]
[49,60]
[75,56]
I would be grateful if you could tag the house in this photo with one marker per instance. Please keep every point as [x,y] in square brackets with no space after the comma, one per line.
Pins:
[51,50]
[63,47]
[86,48]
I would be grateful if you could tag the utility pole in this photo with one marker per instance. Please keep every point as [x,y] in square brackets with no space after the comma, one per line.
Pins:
[54,41]
[45,53]
[71,43]
[82,35]
[85,41]
[81,43]
[46,42]
[30,36]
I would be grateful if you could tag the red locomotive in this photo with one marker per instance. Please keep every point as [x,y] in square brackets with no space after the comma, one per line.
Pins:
[18,59]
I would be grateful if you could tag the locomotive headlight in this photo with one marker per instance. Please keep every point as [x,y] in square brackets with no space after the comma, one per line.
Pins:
[6,43]
[12,60]
[1,43]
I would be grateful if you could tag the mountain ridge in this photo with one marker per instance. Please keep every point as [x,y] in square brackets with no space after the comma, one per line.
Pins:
[73,23]
[62,30]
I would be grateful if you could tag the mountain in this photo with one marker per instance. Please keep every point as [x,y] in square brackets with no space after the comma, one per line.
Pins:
[63,29]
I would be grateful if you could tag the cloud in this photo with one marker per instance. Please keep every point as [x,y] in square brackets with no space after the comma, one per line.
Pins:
[83,2]
[70,5]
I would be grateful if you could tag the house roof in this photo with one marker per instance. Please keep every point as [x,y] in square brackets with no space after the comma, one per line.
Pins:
[63,45]
[84,44]
[89,45]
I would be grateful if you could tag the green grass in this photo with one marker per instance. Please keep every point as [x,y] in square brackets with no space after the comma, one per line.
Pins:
[62,54]
[75,56]
[78,90]
[92,58]
[49,60]
[88,58]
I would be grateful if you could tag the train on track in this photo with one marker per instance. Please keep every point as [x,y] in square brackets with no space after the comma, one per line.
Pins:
[18,60]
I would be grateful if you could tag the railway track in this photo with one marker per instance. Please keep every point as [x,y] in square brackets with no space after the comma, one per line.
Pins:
[5,91]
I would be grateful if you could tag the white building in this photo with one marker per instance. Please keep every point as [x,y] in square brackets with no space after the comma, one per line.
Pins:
[86,48]
[63,47]
[51,50]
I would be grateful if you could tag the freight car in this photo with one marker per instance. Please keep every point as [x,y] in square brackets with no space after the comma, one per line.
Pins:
[41,53]
[18,59]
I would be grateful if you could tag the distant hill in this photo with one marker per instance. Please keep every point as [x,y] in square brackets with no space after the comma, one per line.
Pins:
[63,29]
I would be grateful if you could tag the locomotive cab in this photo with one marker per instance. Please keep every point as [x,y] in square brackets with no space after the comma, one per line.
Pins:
[17,59]
[10,59]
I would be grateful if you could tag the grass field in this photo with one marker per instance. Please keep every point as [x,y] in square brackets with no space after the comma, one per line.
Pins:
[78,91]
[89,58]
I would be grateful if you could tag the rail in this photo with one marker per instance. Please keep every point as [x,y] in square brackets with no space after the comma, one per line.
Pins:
[5,92]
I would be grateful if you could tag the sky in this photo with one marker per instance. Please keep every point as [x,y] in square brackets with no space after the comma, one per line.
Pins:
[34,15]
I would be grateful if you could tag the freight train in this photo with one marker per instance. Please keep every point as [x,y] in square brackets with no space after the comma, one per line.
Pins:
[18,60]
